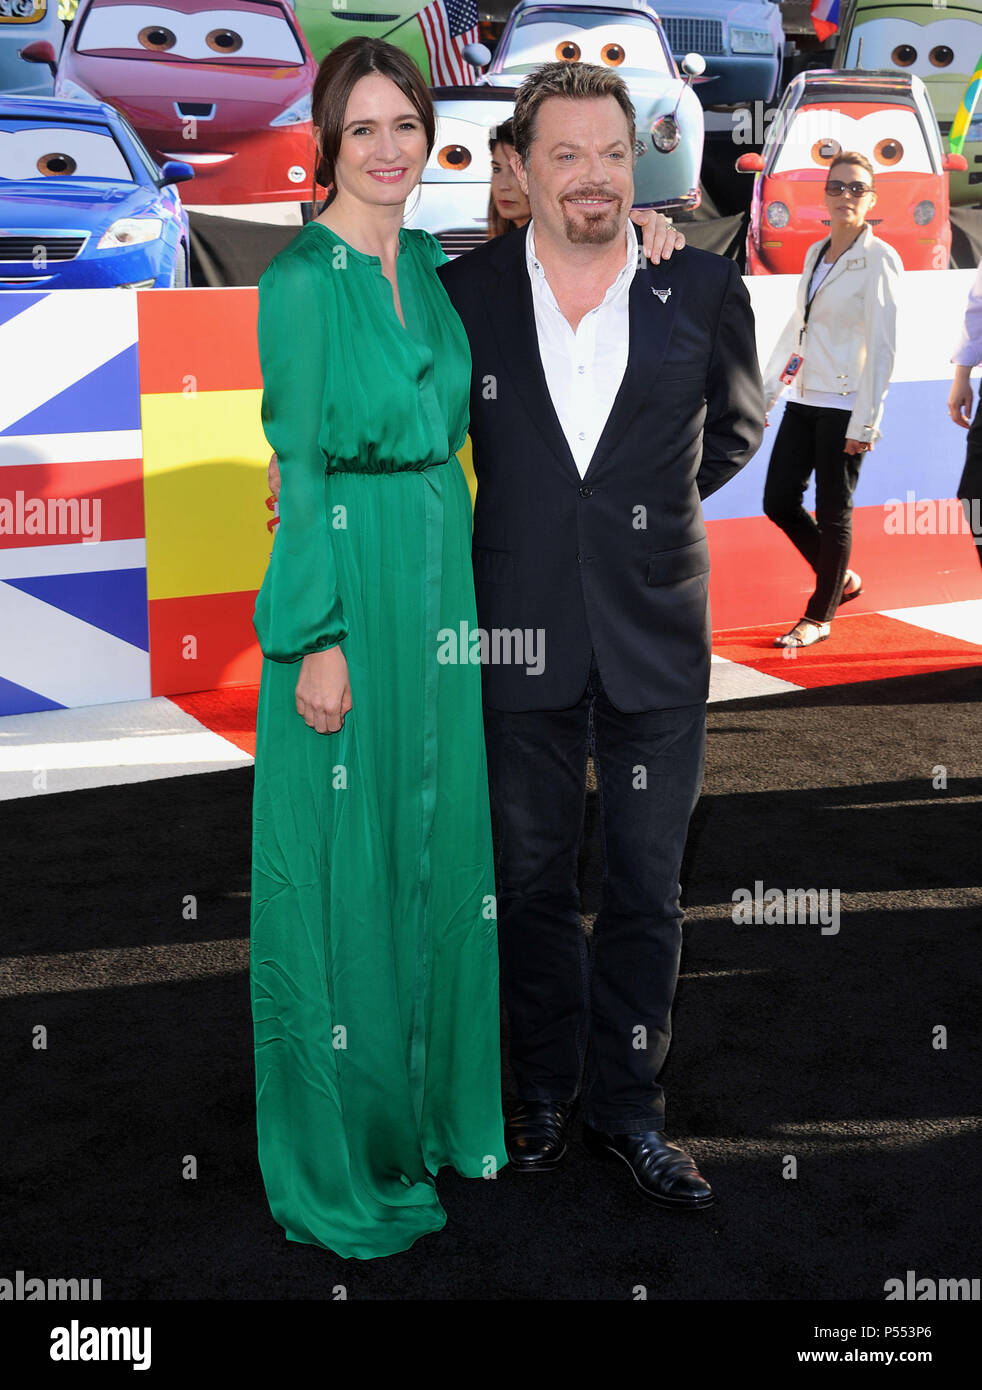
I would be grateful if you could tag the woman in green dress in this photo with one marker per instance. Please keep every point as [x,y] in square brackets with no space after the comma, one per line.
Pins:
[374,974]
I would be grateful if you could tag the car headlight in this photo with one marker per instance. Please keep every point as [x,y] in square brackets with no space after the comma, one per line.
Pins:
[924,213]
[130,231]
[72,90]
[751,41]
[777,214]
[298,111]
[665,134]
[974,129]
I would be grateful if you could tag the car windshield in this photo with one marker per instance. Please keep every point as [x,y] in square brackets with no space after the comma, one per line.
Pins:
[251,35]
[60,152]
[889,136]
[630,44]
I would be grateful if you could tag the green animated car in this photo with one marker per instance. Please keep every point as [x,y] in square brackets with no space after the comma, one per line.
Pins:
[434,35]
[941,45]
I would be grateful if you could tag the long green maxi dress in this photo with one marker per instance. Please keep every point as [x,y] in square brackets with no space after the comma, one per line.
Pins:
[374,971]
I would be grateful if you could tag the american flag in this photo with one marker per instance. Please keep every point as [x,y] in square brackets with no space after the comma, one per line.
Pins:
[448,27]
[825,17]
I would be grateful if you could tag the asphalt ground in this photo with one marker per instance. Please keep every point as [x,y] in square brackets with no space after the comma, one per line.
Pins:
[796,1050]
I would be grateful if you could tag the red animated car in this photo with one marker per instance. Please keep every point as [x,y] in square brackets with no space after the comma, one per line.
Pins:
[886,116]
[224,88]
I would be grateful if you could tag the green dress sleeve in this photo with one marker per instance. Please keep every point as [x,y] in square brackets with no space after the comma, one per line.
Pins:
[298,609]
[437,253]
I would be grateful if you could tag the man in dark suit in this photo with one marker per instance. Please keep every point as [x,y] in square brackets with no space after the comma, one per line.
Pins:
[608,397]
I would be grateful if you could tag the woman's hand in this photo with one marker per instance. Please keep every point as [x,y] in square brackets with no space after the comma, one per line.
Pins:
[323,691]
[659,238]
[273,476]
[857,446]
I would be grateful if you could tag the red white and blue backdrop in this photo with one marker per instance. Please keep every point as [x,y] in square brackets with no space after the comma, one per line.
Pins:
[133,530]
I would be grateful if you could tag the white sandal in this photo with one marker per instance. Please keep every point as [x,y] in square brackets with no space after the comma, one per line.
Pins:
[799,636]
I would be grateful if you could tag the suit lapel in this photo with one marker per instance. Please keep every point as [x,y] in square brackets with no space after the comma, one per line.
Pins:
[651,318]
[512,317]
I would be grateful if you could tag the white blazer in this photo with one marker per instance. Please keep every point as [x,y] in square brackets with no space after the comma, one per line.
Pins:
[849,343]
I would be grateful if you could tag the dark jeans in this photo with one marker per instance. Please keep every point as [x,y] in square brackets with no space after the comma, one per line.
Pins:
[602,1015]
[970,487]
[812,439]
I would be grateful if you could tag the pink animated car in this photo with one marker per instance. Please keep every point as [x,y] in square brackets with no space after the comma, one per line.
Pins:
[224,88]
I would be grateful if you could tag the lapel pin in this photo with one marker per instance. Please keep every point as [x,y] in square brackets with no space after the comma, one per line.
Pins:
[662,294]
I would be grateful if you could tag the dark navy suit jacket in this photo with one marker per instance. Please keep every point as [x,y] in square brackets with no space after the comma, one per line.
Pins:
[616,562]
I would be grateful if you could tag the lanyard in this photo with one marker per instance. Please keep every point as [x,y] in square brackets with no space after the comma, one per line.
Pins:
[811,298]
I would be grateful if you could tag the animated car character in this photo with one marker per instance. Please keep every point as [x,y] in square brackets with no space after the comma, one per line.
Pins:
[938,43]
[225,88]
[22,22]
[885,116]
[629,39]
[84,205]
[742,43]
[453,196]
[433,34]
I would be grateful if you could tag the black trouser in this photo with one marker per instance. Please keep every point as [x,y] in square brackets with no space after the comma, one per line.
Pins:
[607,1011]
[812,439]
[970,486]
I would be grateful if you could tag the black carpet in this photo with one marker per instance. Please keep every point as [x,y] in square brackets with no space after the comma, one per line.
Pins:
[790,1044]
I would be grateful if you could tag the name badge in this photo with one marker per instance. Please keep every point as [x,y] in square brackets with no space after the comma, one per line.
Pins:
[859,263]
[792,368]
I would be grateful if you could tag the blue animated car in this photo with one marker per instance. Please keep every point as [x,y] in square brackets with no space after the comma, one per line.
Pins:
[82,204]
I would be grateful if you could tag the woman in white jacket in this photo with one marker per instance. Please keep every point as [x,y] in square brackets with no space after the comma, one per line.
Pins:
[837,353]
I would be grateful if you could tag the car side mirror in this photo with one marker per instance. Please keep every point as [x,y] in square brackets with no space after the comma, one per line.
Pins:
[954,163]
[477,55]
[693,65]
[40,51]
[174,171]
[750,164]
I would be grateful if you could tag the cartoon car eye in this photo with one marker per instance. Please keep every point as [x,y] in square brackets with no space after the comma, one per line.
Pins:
[454,157]
[888,152]
[224,40]
[56,164]
[904,55]
[941,56]
[824,151]
[156,38]
[568,51]
[612,54]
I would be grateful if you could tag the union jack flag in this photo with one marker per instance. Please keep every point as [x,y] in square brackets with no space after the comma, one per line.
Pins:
[825,17]
[448,27]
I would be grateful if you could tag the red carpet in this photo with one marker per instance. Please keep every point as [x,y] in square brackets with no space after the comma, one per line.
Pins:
[869,647]
[230,712]
[866,647]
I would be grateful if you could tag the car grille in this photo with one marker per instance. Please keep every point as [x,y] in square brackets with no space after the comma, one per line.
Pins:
[687,35]
[944,127]
[363,17]
[24,248]
[462,239]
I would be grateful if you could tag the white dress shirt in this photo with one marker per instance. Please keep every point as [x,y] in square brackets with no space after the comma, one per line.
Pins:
[968,353]
[583,370]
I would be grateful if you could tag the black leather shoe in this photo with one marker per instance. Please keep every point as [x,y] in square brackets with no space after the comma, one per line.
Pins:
[663,1171]
[537,1135]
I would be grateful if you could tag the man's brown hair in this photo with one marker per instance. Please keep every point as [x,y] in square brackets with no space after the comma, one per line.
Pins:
[573,81]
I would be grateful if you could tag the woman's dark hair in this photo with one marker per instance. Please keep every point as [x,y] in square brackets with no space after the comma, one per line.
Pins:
[852,157]
[341,69]
[498,225]
[504,133]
